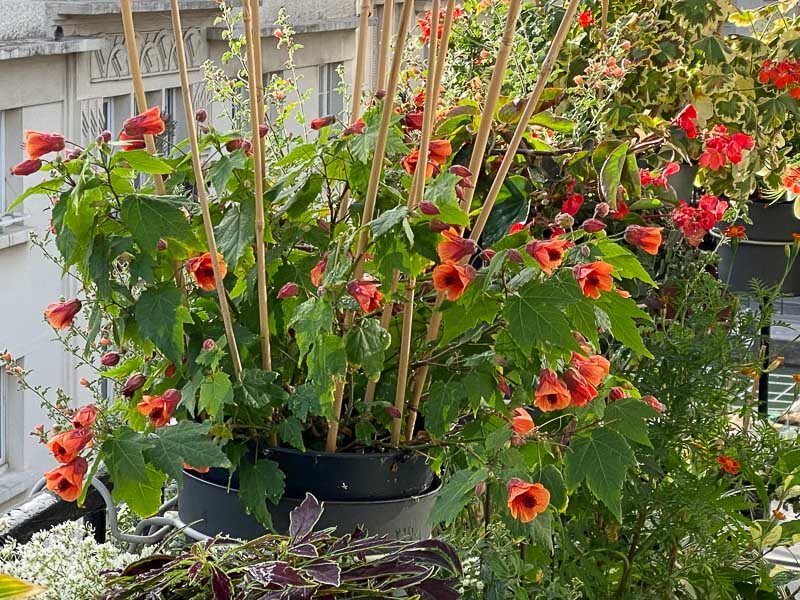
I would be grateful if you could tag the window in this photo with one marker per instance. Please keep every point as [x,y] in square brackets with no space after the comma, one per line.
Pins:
[4,168]
[3,395]
[331,101]
[108,114]
[11,153]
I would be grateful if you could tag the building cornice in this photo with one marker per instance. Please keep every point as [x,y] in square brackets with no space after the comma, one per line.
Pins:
[15,49]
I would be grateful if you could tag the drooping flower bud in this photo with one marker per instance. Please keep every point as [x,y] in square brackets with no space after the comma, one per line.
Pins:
[601,210]
[209,345]
[593,225]
[564,220]
[289,290]
[133,384]
[438,226]
[617,393]
[514,256]
[110,359]
[200,115]
[428,208]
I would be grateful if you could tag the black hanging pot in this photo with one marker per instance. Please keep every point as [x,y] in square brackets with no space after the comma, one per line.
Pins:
[763,254]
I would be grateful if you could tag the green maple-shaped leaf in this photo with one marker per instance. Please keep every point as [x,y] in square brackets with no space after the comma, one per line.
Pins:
[259,482]
[135,482]
[236,232]
[456,494]
[618,314]
[215,391]
[186,442]
[536,316]
[366,345]
[602,460]
[161,315]
[629,417]
[151,218]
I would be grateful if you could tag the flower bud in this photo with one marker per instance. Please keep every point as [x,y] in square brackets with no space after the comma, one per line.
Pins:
[200,115]
[380,94]
[428,208]
[105,136]
[104,341]
[593,225]
[319,123]
[617,393]
[233,145]
[585,252]
[72,154]
[289,290]
[172,396]
[162,245]
[170,370]
[653,403]
[263,130]
[134,383]
[601,210]
[110,359]
[26,167]
[514,256]
[84,382]
[564,220]
[480,489]
[438,226]
[278,34]
[393,412]
[487,255]
[209,345]
[39,429]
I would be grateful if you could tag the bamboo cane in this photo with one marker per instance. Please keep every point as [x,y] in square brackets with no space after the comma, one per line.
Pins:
[372,194]
[387,24]
[258,68]
[258,156]
[202,194]
[492,99]
[136,77]
[604,20]
[547,66]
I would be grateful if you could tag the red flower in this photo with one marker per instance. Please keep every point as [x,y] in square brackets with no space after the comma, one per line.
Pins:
[66,446]
[646,238]
[526,500]
[319,270]
[356,128]
[593,368]
[202,271]
[410,162]
[721,148]
[734,232]
[426,23]
[581,391]
[37,144]
[686,120]
[26,167]
[454,247]
[132,142]
[695,222]
[586,19]
[319,123]
[159,409]
[452,279]
[729,464]
[549,254]
[67,480]
[439,151]
[366,293]
[289,290]
[621,211]
[791,179]
[551,393]
[147,123]
[61,314]
[572,204]
[413,120]
[517,227]
[521,422]
[784,75]
[594,278]
[85,416]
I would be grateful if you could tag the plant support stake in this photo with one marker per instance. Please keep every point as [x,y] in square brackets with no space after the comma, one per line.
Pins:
[202,194]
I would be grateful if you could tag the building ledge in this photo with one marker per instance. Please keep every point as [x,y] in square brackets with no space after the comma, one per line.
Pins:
[14,49]
[14,235]
[215,33]
[14,485]
[84,7]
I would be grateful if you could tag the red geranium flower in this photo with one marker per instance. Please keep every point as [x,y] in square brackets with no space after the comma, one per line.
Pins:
[202,271]
[61,314]
[67,480]
[586,19]
[572,204]
[159,409]
[646,238]
[66,446]
[594,278]
[454,247]
[452,279]
[721,148]
[686,120]
[521,422]
[526,500]
[549,254]
[37,144]
[366,293]
[791,179]
[147,123]
[551,393]
[729,464]
[426,23]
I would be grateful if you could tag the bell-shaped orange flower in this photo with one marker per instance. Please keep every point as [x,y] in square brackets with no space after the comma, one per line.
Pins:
[202,271]
[159,409]
[318,271]
[581,391]
[67,480]
[521,421]
[454,247]
[37,144]
[646,238]
[551,393]
[411,161]
[439,151]
[61,314]
[526,500]
[132,142]
[85,416]
[593,368]
[366,293]
[452,279]
[549,254]
[147,123]
[594,278]
[66,446]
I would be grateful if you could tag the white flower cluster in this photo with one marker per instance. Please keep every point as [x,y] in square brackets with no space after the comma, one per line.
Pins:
[66,560]
[472,575]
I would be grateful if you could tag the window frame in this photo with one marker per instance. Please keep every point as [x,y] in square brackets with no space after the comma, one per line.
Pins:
[3,419]
[4,168]
[328,82]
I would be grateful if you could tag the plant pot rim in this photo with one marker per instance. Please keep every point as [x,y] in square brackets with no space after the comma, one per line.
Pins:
[387,452]
[434,489]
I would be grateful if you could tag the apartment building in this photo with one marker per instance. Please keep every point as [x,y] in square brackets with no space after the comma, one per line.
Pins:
[64,68]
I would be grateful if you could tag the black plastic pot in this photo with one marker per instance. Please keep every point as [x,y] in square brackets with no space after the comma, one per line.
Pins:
[353,476]
[762,255]
[210,506]
[683,181]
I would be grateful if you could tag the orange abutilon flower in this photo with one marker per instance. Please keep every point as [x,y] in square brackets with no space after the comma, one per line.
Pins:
[729,464]
[366,293]
[549,254]
[452,279]
[202,271]
[67,480]
[159,409]
[61,314]
[521,422]
[551,393]
[594,277]
[581,390]
[319,270]
[85,416]
[439,151]
[147,123]
[594,368]
[454,247]
[132,142]
[66,446]
[26,167]
[200,470]
[413,120]
[319,123]
[526,500]
[646,238]
[37,144]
